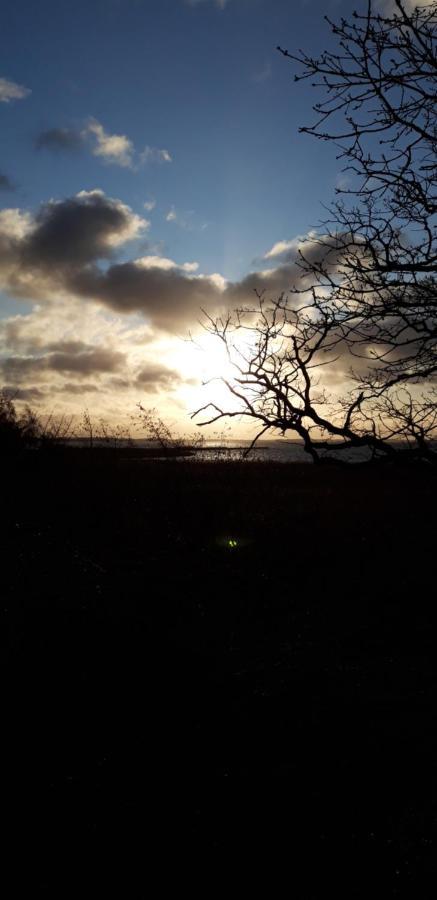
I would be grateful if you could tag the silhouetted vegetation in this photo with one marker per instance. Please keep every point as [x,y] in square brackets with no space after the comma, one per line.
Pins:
[364,310]
[165,624]
[17,430]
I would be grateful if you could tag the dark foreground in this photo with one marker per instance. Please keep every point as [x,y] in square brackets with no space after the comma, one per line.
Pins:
[216,661]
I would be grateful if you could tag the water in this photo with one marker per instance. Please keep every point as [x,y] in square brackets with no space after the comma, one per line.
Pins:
[264,451]
[278,451]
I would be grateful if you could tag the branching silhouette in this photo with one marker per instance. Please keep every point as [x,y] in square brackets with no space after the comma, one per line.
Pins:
[365,303]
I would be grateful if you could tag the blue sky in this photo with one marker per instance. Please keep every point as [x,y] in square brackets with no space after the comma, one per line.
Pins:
[204,82]
[186,107]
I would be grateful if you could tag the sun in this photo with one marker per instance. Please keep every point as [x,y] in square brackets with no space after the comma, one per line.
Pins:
[214,360]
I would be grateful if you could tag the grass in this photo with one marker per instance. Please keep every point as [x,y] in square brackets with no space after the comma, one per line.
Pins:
[166,622]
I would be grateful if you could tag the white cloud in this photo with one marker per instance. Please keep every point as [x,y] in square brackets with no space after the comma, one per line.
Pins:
[149,205]
[14,224]
[184,219]
[9,90]
[218,281]
[281,247]
[191,267]
[162,262]
[153,154]
[289,248]
[113,148]
[116,149]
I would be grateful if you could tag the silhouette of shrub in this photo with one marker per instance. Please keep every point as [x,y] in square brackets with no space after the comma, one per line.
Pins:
[10,435]
[17,431]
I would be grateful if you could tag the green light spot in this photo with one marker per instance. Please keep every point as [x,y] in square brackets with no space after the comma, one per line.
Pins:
[232,544]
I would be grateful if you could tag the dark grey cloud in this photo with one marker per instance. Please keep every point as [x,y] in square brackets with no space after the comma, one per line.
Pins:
[73,389]
[18,368]
[6,183]
[61,248]
[273,283]
[11,334]
[67,347]
[169,297]
[39,254]
[94,361]
[28,395]
[153,378]
[15,337]
[98,360]
[75,232]
[59,140]
[120,384]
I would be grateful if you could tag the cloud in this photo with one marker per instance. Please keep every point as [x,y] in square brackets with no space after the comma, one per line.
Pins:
[9,91]
[65,253]
[57,354]
[93,360]
[113,148]
[171,296]
[69,387]
[96,360]
[59,139]
[221,4]
[40,254]
[154,155]
[161,262]
[389,6]
[27,395]
[67,233]
[5,183]
[282,247]
[168,295]
[68,347]
[149,205]
[185,219]
[79,338]
[14,225]
[153,378]
[288,250]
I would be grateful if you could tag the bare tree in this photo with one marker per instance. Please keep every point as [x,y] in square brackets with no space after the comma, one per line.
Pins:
[367,291]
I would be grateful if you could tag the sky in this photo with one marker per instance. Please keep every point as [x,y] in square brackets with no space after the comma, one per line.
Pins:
[150,167]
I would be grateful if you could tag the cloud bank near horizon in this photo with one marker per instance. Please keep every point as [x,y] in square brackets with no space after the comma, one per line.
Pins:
[107,325]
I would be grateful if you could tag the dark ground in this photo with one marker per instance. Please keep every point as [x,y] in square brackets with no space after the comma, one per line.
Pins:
[146,663]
